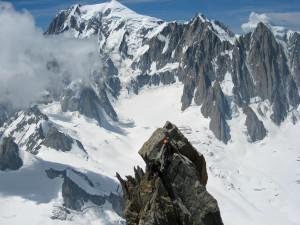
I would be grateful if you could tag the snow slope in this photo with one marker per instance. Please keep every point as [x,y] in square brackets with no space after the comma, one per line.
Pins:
[116,21]
[257,183]
[253,183]
[28,196]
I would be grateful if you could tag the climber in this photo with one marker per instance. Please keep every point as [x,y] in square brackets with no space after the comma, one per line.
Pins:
[152,167]
[166,154]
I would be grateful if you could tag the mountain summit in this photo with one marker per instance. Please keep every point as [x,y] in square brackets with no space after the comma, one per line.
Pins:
[175,193]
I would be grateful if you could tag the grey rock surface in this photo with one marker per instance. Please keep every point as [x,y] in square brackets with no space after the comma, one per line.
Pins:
[268,65]
[57,25]
[88,103]
[60,141]
[255,127]
[294,56]
[9,155]
[176,194]
[216,107]
[75,196]
[31,117]
[38,130]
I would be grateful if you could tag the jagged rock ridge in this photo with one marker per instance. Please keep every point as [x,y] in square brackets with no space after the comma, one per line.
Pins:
[176,193]
[36,129]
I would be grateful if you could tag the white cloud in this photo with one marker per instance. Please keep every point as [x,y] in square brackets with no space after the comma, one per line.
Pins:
[26,54]
[289,20]
[254,19]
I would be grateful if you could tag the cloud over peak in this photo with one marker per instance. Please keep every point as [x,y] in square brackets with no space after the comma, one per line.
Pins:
[289,20]
[31,63]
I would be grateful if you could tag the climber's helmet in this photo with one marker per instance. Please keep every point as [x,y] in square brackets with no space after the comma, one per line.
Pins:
[166,141]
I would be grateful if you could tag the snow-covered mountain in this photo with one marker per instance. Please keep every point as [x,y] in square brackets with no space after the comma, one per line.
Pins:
[214,64]
[235,97]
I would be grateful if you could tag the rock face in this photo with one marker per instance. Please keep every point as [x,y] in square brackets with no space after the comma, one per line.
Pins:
[59,141]
[30,124]
[268,67]
[175,193]
[217,108]
[255,127]
[9,155]
[77,190]
[38,130]
[294,46]
[88,103]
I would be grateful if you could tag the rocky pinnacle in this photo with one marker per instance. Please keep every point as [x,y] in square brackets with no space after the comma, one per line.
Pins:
[175,192]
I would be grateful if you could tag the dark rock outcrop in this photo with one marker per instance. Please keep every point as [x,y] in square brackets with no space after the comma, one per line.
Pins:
[175,194]
[60,141]
[112,80]
[217,108]
[188,94]
[9,155]
[88,103]
[244,88]
[255,127]
[75,196]
[202,87]
[292,93]
[38,130]
[294,55]
[31,118]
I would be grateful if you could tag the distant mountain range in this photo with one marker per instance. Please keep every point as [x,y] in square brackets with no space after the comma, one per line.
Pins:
[235,97]
[220,70]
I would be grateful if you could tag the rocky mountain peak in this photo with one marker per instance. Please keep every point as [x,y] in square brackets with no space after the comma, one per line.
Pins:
[84,21]
[172,190]
[219,29]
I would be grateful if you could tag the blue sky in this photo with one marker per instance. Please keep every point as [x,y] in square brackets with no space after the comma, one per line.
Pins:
[231,12]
